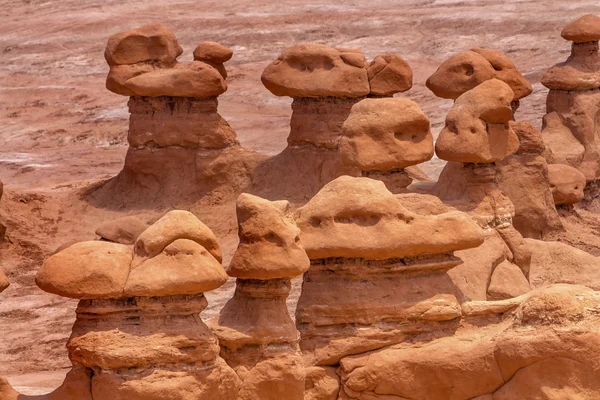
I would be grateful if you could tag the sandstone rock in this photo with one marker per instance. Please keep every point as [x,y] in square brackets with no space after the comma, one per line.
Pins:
[119,75]
[506,72]
[386,134]
[269,245]
[314,70]
[477,127]
[581,71]
[212,52]
[584,29]
[183,267]
[507,281]
[86,270]
[3,282]
[358,217]
[176,224]
[535,213]
[468,69]
[174,121]
[567,184]
[322,383]
[153,42]
[196,79]
[122,230]
[389,74]
[561,145]
[76,386]
[256,333]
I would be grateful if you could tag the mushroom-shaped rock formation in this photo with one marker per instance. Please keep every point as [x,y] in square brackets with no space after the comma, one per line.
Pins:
[567,184]
[137,334]
[123,230]
[378,271]
[477,127]
[468,69]
[535,213]
[325,83]
[381,137]
[257,335]
[179,145]
[572,124]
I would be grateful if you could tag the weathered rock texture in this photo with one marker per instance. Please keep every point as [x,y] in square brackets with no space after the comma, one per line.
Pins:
[138,334]
[468,69]
[257,336]
[382,137]
[524,178]
[123,230]
[572,123]
[179,146]
[3,281]
[325,83]
[378,271]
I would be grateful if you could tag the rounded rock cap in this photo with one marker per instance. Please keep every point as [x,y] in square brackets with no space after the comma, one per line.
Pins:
[270,245]
[212,52]
[582,30]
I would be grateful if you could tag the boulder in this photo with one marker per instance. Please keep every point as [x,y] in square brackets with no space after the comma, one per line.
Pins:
[507,281]
[212,52]
[477,127]
[315,70]
[582,30]
[150,43]
[86,270]
[386,134]
[567,184]
[359,217]
[389,74]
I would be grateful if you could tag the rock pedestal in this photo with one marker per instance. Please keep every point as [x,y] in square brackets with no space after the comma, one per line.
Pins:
[180,148]
[378,271]
[571,128]
[325,84]
[138,334]
[257,336]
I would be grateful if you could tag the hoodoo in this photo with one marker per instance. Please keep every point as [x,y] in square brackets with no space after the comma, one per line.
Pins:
[572,124]
[325,84]
[179,145]
[138,335]
[257,336]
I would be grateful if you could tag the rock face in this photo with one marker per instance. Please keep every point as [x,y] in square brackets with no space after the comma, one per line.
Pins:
[257,336]
[468,69]
[535,213]
[532,353]
[371,260]
[381,137]
[3,282]
[567,184]
[138,334]
[572,123]
[179,145]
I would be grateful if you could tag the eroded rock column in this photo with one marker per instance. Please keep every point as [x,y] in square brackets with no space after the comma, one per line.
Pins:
[257,335]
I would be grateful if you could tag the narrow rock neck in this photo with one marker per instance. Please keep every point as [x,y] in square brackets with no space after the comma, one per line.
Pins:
[588,49]
[319,121]
[254,288]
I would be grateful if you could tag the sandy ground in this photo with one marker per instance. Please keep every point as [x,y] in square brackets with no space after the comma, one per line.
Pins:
[62,129]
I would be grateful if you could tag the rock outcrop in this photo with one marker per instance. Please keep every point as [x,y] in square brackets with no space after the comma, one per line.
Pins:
[572,123]
[378,271]
[567,184]
[138,334]
[383,136]
[3,282]
[180,148]
[325,84]
[257,336]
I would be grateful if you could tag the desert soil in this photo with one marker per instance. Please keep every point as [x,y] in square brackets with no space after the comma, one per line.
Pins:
[62,130]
